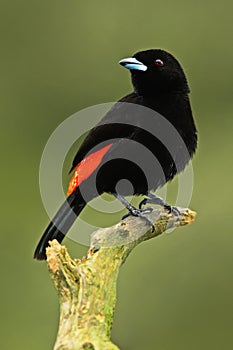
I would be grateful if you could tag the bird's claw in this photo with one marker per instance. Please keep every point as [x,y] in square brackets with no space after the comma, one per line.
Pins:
[143,202]
[159,201]
[140,213]
[172,210]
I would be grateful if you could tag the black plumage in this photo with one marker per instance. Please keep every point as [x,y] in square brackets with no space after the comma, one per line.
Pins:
[152,136]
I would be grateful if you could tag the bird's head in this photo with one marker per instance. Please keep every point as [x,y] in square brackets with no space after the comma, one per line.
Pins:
[155,71]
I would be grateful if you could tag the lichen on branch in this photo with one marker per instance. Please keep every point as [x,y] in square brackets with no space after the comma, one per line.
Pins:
[87,287]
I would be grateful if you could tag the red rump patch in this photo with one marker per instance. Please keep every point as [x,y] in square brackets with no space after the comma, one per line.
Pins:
[86,167]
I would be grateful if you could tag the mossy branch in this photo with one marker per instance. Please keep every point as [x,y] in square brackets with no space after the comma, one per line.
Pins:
[87,287]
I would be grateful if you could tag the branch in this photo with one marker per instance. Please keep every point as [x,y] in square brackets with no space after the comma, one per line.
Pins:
[87,287]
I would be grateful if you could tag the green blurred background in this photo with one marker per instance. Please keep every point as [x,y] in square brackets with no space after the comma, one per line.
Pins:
[57,57]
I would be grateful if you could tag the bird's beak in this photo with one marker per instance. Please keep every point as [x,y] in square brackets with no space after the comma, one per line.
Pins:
[133,64]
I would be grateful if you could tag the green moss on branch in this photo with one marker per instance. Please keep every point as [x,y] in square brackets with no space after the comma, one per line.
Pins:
[87,287]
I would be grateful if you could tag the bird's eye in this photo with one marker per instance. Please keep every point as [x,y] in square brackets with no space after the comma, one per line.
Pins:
[159,63]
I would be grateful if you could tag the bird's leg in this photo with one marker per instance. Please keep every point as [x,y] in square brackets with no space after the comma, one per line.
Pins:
[153,199]
[134,211]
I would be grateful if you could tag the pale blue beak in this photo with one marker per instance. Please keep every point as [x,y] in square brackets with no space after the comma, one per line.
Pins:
[133,64]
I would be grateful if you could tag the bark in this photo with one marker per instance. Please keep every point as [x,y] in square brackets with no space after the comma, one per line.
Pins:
[87,287]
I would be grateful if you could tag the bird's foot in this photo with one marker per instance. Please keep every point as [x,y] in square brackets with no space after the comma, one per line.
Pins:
[137,212]
[172,209]
[134,211]
[153,199]
[140,214]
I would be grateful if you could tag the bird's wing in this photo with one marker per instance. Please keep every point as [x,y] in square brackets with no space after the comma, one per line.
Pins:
[101,139]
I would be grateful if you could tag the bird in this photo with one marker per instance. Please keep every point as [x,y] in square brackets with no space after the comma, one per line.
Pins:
[144,140]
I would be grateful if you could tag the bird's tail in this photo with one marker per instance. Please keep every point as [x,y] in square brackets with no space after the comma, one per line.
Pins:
[61,223]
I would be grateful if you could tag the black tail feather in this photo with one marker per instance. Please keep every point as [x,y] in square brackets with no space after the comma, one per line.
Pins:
[61,223]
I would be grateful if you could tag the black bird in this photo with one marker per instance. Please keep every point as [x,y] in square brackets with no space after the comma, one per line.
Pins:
[145,138]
